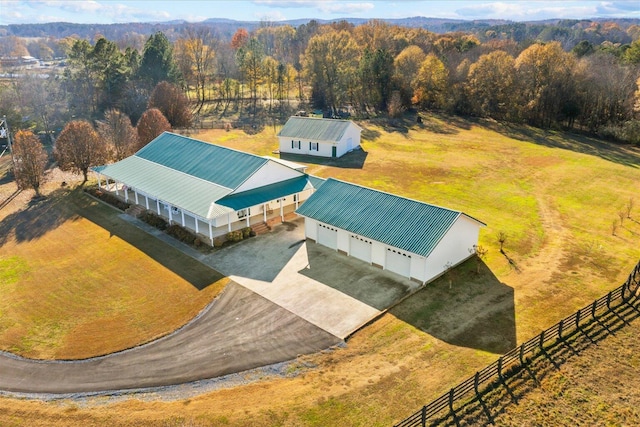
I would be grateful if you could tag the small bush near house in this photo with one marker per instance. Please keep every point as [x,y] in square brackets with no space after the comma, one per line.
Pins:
[182,234]
[108,198]
[235,236]
[155,220]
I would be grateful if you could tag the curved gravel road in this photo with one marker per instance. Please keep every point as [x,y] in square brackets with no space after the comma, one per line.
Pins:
[240,330]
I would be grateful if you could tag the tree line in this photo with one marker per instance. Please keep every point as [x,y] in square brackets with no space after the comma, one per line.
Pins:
[371,69]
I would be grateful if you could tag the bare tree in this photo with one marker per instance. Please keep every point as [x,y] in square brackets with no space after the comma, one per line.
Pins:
[622,215]
[629,207]
[172,103]
[481,253]
[151,124]
[79,147]
[614,227]
[502,238]
[30,161]
[118,133]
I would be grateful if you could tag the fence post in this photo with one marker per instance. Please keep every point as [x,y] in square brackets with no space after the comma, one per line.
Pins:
[609,300]
[542,341]
[578,319]
[560,329]
[424,416]
[593,309]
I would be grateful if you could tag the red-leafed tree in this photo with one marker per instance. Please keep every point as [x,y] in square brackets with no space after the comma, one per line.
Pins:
[79,147]
[118,134]
[151,124]
[30,159]
[239,39]
[172,103]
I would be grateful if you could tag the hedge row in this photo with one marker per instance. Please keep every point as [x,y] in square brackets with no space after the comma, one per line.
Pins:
[108,198]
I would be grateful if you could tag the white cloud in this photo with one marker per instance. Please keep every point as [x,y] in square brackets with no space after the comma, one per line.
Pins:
[326,6]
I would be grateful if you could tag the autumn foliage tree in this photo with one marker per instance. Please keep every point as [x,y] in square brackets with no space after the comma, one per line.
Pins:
[118,134]
[172,103]
[30,159]
[151,124]
[79,147]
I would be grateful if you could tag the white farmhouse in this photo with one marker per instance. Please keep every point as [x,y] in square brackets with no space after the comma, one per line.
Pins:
[207,188]
[411,238]
[319,137]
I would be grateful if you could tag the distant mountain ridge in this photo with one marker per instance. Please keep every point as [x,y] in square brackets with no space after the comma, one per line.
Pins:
[226,27]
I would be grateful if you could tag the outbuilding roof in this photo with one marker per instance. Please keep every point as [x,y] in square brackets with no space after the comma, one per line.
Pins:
[315,129]
[403,223]
[196,176]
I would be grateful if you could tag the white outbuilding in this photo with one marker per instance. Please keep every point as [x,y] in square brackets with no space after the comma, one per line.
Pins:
[411,238]
[319,137]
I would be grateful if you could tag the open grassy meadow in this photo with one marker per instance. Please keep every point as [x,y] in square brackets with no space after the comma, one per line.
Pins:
[554,196]
[76,281]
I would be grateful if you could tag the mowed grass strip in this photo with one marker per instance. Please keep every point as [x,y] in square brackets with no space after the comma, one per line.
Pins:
[77,281]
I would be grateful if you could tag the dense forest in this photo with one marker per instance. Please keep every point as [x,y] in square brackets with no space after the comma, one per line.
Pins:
[575,74]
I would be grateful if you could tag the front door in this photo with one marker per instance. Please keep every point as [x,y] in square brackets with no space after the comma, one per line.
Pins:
[334,151]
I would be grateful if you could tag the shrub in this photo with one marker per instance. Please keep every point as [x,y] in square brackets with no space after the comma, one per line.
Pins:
[108,198]
[235,236]
[181,234]
[246,232]
[155,220]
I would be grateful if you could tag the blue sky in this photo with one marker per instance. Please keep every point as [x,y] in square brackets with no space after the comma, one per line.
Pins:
[114,11]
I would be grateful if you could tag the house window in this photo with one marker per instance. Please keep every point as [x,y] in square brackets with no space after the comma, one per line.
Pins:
[313,146]
[243,213]
[295,197]
[296,144]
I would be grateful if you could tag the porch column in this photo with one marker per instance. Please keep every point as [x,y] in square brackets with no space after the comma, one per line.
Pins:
[146,201]
[170,214]
[210,233]
[281,211]
[115,184]
[135,193]
[297,197]
[99,181]
[158,205]
[248,216]
[229,221]
[264,212]
[126,193]
[196,220]
[182,214]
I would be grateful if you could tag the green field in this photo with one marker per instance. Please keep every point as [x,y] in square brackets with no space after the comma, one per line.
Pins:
[553,195]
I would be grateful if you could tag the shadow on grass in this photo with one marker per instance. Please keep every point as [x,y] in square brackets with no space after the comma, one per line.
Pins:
[46,214]
[496,398]
[38,217]
[627,155]
[353,160]
[197,274]
[476,311]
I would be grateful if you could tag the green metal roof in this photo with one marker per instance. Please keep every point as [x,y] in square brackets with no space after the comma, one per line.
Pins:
[406,224]
[197,176]
[311,128]
[190,193]
[267,193]
[220,165]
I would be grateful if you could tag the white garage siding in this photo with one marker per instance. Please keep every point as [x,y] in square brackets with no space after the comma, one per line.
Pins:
[311,229]
[328,236]
[360,248]
[399,262]
[455,247]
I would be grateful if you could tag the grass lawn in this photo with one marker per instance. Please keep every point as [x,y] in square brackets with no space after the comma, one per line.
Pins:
[76,281]
[553,195]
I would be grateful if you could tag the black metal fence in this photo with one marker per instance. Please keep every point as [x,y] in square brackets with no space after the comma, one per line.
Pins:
[518,358]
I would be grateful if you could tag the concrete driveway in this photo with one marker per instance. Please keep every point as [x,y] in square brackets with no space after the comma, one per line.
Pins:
[339,294]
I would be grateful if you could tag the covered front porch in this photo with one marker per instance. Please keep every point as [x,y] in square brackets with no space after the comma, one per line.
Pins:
[235,216]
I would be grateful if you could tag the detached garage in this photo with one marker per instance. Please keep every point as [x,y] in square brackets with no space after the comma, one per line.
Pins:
[411,238]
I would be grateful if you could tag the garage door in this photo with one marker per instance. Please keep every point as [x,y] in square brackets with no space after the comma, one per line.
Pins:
[328,236]
[398,262]
[360,248]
